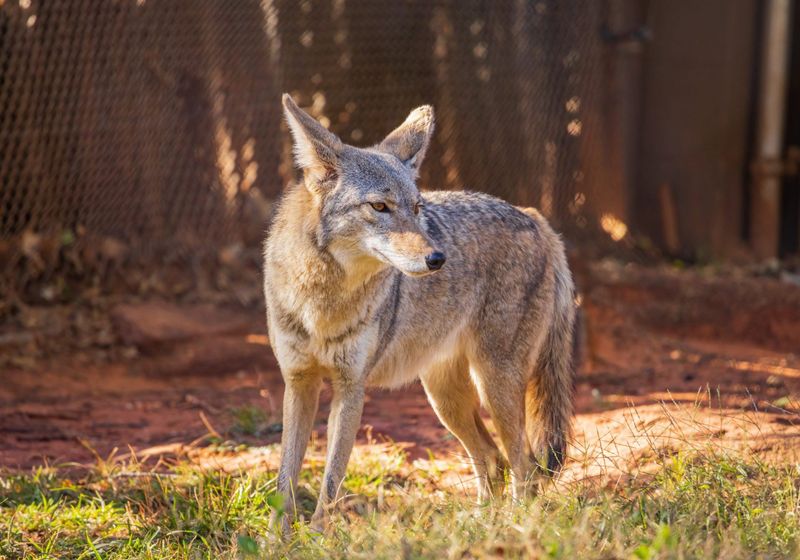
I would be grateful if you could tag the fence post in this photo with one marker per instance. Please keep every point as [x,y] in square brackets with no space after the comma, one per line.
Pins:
[766,183]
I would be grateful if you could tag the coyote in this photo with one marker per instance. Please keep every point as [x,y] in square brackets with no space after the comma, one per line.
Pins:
[370,282]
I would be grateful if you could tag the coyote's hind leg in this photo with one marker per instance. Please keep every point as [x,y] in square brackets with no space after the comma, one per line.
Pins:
[455,400]
[503,394]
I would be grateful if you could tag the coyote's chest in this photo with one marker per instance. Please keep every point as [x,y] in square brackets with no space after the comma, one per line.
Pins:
[334,334]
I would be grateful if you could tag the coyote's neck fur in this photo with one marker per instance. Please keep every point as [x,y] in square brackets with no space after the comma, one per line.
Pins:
[329,291]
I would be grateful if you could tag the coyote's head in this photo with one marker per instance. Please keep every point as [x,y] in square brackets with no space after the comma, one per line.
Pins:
[368,204]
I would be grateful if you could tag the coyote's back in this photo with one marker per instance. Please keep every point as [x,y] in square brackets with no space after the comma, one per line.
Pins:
[370,282]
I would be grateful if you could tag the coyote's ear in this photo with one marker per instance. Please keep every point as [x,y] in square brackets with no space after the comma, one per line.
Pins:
[316,149]
[409,141]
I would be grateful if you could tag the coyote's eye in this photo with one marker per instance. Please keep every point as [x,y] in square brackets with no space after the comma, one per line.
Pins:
[417,206]
[379,206]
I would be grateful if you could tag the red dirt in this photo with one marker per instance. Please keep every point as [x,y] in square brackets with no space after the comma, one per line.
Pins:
[670,360]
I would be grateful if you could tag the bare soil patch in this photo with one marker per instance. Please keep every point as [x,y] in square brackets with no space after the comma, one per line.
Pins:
[669,359]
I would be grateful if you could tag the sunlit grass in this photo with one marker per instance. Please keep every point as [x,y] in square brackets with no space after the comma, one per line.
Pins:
[694,506]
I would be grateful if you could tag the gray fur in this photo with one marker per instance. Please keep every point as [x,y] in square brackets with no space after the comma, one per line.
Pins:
[350,299]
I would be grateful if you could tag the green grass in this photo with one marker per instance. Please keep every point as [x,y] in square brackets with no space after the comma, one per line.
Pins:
[698,506]
[252,420]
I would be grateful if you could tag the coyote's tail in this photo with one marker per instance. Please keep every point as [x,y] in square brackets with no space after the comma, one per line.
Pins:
[549,395]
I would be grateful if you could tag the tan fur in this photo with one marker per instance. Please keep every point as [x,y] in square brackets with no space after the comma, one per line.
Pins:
[353,297]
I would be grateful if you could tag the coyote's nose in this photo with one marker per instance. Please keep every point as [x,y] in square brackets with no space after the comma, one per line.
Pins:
[435,260]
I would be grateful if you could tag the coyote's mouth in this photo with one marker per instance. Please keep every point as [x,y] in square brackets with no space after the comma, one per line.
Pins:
[419,274]
[411,273]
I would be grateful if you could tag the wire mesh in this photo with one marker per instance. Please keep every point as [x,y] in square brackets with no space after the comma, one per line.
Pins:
[137,128]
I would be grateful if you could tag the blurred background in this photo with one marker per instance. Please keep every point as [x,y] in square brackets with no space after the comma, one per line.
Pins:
[142,147]
[136,130]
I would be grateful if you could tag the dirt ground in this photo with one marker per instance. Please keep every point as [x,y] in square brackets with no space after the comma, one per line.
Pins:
[670,359]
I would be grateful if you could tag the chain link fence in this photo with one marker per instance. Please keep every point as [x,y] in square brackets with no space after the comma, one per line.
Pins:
[138,130]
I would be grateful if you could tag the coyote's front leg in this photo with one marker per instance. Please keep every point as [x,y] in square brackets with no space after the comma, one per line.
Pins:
[345,419]
[300,402]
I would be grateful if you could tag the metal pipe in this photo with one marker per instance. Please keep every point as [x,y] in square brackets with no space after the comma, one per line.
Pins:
[766,187]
